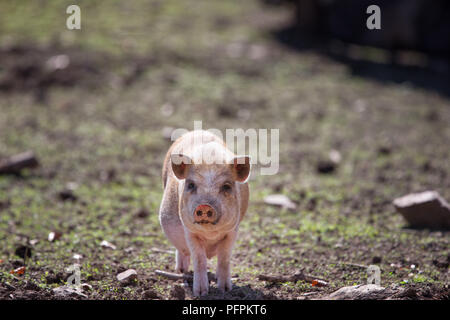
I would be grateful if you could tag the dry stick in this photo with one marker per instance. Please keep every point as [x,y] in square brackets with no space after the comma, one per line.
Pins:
[157,250]
[173,276]
[271,278]
[14,164]
[294,278]
[353,265]
[178,276]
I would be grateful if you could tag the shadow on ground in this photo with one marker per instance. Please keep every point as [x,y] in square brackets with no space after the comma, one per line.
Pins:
[426,72]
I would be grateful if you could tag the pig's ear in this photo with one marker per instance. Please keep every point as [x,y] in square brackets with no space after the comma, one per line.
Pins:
[180,165]
[240,167]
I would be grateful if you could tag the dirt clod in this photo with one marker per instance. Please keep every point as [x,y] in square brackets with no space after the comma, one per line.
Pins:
[376,260]
[23,251]
[151,294]
[67,195]
[178,292]
[326,166]
[142,213]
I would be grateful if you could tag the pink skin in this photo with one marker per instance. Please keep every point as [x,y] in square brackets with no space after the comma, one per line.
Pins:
[223,262]
[201,250]
[202,207]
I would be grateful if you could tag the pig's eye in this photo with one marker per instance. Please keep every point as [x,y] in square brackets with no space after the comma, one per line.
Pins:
[191,186]
[226,187]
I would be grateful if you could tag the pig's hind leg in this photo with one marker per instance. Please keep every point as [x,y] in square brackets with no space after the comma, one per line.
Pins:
[183,261]
[182,256]
[175,233]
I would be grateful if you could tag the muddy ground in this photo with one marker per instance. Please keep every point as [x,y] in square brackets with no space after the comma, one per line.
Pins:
[95,105]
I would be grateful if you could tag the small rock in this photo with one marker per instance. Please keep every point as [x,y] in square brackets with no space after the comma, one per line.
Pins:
[54,235]
[33,242]
[57,62]
[335,156]
[55,278]
[359,292]
[329,165]
[32,286]
[127,276]
[178,292]
[71,186]
[108,245]
[67,195]
[326,166]
[142,213]
[77,256]
[409,293]
[280,200]
[384,150]
[86,287]
[9,286]
[376,260]
[424,210]
[129,249]
[17,263]
[441,264]
[68,291]
[226,111]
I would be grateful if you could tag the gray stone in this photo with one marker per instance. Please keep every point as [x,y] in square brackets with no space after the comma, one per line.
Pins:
[128,275]
[280,200]
[108,245]
[424,210]
[68,291]
[359,292]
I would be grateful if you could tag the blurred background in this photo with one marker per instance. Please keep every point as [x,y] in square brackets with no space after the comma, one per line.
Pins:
[363,116]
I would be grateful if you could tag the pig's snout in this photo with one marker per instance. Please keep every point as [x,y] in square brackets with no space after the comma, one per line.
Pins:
[204,213]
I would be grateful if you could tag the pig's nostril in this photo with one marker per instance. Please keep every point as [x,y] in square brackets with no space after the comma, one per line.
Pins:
[199,213]
[209,213]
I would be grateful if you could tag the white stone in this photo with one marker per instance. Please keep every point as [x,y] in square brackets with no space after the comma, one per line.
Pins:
[280,200]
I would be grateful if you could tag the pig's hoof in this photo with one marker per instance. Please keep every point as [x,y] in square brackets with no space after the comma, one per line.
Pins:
[201,285]
[182,265]
[224,285]
[181,270]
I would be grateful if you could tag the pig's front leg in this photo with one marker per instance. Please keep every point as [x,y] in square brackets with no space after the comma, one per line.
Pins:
[223,262]
[198,253]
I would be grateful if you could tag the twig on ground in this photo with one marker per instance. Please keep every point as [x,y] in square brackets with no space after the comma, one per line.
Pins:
[157,250]
[315,281]
[173,276]
[16,163]
[353,265]
[184,277]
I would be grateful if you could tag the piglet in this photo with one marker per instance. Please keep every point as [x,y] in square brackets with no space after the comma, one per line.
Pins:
[205,198]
